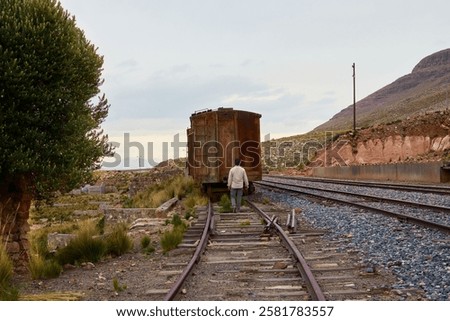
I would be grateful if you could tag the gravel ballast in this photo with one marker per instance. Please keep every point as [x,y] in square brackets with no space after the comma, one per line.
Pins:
[418,256]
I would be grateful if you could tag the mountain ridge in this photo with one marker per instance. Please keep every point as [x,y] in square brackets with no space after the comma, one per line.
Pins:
[424,89]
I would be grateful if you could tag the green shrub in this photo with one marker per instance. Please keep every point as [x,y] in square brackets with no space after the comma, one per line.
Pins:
[85,247]
[171,239]
[117,286]
[41,265]
[101,225]
[41,268]
[193,200]
[88,246]
[189,202]
[182,186]
[145,241]
[39,243]
[117,240]
[149,249]
[7,291]
[159,197]
[188,214]
[177,222]
[6,267]
[146,245]
[127,202]
[225,204]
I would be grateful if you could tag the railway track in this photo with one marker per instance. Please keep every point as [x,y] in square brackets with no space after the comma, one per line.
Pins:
[432,216]
[239,264]
[422,188]
[178,264]
[248,256]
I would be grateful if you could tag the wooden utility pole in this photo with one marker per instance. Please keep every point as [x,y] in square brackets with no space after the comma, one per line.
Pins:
[354,99]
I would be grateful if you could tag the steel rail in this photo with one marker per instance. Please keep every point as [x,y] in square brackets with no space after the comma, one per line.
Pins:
[408,187]
[374,198]
[402,217]
[195,258]
[302,265]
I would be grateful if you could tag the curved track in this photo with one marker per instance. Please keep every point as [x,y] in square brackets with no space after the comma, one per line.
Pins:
[196,256]
[249,256]
[248,237]
[313,287]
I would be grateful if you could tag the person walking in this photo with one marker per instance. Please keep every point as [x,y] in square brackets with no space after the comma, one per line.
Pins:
[237,180]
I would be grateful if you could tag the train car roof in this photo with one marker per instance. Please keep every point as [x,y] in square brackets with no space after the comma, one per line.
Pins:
[208,110]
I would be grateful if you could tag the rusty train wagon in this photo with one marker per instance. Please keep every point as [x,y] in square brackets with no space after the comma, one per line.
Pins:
[215,139]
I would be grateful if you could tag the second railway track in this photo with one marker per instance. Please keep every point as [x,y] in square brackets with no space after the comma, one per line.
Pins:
[406,211]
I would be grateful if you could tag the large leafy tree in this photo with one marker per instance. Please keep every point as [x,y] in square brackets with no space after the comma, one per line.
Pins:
[50,110]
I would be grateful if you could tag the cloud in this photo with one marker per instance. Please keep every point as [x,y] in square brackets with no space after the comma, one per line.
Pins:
[163,103]
[169,95]
[128,64]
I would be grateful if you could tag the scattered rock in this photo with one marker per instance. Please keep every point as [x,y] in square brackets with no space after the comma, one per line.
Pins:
[370,269]
[88,265]
[68,267]
[57,241]
[279,266]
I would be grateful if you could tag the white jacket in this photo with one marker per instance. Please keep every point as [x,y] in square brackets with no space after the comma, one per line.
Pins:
[237,177]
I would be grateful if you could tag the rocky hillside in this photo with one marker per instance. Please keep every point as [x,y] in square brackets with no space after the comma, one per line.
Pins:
[415,139]
[426,88]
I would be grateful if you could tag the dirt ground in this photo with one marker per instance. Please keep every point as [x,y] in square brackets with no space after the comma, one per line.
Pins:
[132,271]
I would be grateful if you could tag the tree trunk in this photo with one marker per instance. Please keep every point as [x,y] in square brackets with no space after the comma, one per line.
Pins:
[15,201]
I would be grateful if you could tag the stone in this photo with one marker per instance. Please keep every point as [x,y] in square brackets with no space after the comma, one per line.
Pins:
[91,213]
[57,241]
[279,266]
[370,269]
[68,266]
[13,247]
[164,208]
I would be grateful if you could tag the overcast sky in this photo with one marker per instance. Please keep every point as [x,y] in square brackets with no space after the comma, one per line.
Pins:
[289,60]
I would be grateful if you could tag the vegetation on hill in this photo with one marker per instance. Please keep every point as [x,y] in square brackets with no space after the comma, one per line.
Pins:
[413,105]
[425,89]
[296,152]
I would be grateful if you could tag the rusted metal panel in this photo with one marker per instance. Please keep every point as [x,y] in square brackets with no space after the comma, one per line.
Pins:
[216,138]
[250,144]
[226,140]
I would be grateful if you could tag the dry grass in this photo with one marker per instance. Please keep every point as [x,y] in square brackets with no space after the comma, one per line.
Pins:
[225,204]
[6,267]
[7,291]
[41,268]
[85,247]
[53,296]
[117,240]
[171,239]
[180,187]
